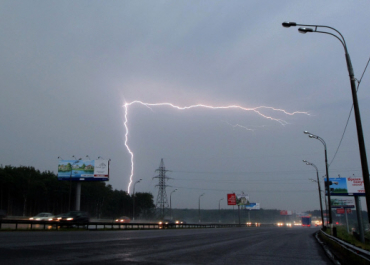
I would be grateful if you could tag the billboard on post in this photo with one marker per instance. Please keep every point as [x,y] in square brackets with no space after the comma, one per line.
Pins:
[349,186]
[231,199]
[242,199]
[253,206]
[83,170]
[343,203]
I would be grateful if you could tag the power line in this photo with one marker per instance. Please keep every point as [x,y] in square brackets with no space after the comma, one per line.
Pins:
[350,112]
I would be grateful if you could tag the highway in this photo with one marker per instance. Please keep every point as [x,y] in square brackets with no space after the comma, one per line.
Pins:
[251,245]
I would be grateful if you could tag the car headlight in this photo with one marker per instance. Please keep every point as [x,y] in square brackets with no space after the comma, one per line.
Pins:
[31,218]
[70,219]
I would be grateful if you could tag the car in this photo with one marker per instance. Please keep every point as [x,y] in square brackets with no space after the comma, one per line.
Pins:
[123,219]
[166,223]
[42,217]
[74,217]
[58,216]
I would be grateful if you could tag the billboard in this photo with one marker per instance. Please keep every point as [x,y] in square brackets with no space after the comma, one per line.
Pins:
[242,199]
[342,210]
[231,199]
[285,212]
[342,203]
[253,206]
[83,170]
[349,186]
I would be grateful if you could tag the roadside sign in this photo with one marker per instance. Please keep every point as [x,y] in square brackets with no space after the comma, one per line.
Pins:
[231,199]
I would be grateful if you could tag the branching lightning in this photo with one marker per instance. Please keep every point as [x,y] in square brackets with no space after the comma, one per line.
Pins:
[149,105]
[241,126]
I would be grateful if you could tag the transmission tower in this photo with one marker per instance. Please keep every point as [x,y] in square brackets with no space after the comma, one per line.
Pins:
[162,202]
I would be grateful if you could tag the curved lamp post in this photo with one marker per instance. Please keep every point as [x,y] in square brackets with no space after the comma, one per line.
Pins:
[327,171]
[171,202]
[199,206]
[360,135]
[219,210]
[318,183]
[133,200]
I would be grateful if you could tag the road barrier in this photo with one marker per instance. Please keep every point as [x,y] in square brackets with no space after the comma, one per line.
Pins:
[7,224]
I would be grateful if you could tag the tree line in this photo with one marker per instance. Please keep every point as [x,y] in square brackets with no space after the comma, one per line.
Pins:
[25,191]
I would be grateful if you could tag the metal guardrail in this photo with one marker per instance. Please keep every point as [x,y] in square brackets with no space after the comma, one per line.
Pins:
[55,225]
[358,251]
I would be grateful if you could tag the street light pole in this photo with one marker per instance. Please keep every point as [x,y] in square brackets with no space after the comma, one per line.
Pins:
[199,206]
[360,135]
[318,184]
[133,200]
[219,210]
[327,171]
[171,202]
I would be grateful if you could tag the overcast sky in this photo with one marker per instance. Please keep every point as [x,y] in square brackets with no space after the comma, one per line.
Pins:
[67,68]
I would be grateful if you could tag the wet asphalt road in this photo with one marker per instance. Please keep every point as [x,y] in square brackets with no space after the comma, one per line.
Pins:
[270,245]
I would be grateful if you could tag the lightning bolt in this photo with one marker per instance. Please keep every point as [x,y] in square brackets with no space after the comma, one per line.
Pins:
[149,105]
[241,126]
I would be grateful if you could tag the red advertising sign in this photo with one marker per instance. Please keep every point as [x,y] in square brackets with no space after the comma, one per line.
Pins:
[231,199]
[340,211]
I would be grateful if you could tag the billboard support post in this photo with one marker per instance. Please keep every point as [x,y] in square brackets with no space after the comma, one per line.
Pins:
[78,195]
[346,213]
[239,213]
[359,219]
[70,184]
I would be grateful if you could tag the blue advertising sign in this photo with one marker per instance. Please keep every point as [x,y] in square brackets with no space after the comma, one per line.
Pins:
[253,206]
[83,170]
[349,186]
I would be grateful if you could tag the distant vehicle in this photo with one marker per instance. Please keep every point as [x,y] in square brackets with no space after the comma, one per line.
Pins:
[2,214]
[318,223]
[306,221]
[58,216]
[180,222]
[42,217]
[123,219]
[73,217]
[166,223]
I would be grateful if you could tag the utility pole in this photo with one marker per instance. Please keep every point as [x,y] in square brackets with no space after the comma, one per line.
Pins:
[162,202]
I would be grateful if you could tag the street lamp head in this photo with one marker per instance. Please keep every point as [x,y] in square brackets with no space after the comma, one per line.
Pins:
[311,136]
[308,164]
[289,24]
[305,161]
[306,132]
[305,30]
